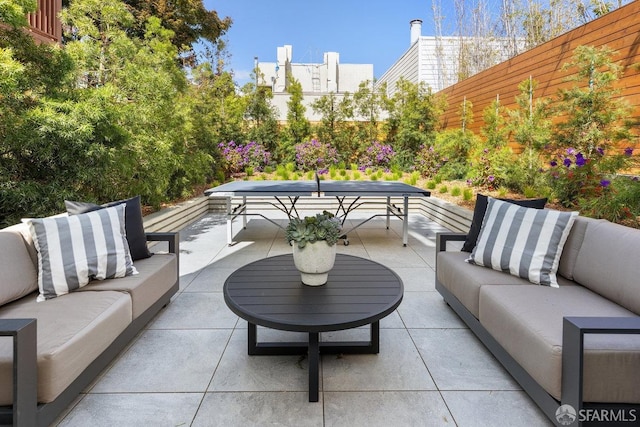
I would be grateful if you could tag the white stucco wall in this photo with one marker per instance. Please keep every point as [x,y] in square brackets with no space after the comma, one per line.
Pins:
[316,79]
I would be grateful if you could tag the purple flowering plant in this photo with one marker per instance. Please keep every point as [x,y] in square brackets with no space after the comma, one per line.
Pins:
[315,155]
[237,157]
[577,177]
[377,155]
[429,161]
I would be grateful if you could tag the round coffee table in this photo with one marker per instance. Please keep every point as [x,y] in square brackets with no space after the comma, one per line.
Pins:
[269,293]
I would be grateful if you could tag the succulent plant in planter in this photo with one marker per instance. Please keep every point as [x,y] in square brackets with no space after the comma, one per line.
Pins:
[310,229]
[314,246]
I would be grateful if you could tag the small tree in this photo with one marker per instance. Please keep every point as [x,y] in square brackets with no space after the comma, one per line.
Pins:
[414,112]
[260,115]
[335,126]
[368,107]
[593,142]
[531,128]
[298,127]
[595,116]
[491,160]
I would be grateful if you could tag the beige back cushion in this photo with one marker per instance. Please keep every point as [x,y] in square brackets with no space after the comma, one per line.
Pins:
[19,273]
[609,263]
[572,246]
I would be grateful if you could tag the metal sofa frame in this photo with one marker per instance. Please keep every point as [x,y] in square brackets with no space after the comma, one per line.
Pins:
[574,329]
[26,411]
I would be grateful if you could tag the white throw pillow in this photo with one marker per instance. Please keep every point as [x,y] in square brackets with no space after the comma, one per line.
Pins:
[73,250]
[524,242]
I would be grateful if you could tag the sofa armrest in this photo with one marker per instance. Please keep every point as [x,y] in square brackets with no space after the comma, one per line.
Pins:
[25,369]
[573,332]
[448,236]
[172,238]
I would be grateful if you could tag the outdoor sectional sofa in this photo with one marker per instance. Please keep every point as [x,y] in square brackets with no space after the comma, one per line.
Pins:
[51,350]
[576,344]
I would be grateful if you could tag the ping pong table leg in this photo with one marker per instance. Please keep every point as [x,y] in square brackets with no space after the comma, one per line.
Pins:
[405,222]
[229,222]
[388,210]
[244,212]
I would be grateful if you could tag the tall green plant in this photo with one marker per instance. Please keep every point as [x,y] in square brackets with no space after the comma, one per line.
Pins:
[530,127]
[529,122]
[261,124]
[368,107]
[491,160]
[335,126]
[414,112]
[593,142]
[298,127]
[595,117]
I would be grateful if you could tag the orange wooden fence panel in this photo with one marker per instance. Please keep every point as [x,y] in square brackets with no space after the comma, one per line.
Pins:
[618,30]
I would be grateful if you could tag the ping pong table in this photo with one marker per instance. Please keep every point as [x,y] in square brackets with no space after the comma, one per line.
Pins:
[350,195]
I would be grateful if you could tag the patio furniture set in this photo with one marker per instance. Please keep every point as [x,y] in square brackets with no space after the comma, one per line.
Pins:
[554,296]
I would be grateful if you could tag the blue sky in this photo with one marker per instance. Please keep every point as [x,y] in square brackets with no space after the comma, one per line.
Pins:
[362,32]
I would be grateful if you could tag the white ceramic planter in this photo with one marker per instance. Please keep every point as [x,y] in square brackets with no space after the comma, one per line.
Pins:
[314,262]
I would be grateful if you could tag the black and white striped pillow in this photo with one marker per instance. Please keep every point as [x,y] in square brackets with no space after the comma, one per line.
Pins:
[524,242]
[73,250]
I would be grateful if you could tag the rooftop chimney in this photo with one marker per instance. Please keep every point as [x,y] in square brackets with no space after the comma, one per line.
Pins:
[416,30]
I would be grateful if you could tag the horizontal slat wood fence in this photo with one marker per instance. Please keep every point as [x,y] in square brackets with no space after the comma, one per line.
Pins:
[618,30]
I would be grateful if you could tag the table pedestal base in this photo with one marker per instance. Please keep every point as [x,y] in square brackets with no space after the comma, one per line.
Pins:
[313,349]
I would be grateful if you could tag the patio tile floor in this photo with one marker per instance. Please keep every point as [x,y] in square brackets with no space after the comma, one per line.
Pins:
[190,366]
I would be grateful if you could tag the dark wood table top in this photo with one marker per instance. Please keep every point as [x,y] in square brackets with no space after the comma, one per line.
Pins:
[269,293]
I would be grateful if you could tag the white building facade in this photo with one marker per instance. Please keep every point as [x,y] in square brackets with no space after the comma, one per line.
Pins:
[436,60]
[316,79]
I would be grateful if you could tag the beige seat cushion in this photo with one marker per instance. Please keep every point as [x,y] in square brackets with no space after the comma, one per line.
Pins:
[527,322]
[464,280]
[156,276]
[72,332]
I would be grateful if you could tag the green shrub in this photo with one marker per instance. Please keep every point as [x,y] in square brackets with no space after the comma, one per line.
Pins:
[443,189]
[454,170]
[467,194]
[357,175]
[283,172]
[413,178]
[268,169]
[431,185]
[619,201]
[343,172]
[530,192]
[490,168]
[456,191]
[310,175]
[249,171]
[437,179]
